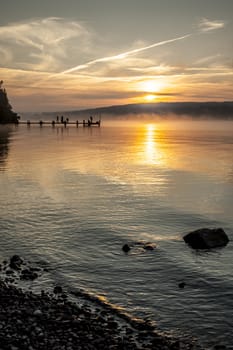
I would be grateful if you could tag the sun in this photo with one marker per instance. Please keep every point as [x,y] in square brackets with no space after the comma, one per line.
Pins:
[149,97]
[151,88]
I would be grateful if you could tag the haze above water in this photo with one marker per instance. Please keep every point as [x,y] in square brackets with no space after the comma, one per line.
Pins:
[73,196]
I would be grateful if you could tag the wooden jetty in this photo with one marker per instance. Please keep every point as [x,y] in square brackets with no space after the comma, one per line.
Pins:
[84,123]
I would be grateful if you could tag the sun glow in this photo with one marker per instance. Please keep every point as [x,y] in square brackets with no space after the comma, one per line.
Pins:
[152,86]
[150,97]
[151,89]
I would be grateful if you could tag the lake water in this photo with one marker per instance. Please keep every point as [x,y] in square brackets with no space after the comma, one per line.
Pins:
[71,197]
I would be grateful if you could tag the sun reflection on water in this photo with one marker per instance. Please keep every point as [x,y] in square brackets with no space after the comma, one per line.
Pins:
[152,151]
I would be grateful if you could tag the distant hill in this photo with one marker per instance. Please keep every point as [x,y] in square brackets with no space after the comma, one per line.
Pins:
[162,110]
[216,110]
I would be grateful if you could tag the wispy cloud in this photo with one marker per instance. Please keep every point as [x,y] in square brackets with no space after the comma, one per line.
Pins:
[209,59]
[123,55]
[51,44]
[206,25]
[43,44]
[65,63]
[5,54]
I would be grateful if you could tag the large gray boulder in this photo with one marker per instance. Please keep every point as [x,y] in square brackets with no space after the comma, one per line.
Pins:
[206,238]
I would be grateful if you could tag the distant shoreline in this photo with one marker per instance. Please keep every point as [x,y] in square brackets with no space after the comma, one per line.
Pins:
[163,110]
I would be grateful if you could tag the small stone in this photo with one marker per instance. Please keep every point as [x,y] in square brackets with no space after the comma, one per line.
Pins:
[26,274]
[37,312]
[126,248]
[57,290]
[38,330]
[148,246]
[15,262]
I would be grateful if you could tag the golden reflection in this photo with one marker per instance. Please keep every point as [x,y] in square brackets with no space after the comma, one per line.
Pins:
[152,152]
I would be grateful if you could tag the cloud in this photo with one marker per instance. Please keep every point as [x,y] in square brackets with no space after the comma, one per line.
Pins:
[43,44]
[5,55]
[93,73]
[205,25]
[209,59]
[123,55]
[50,45]
[160,69]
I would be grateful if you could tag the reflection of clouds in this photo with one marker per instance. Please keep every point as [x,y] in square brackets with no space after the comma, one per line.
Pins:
[4,142]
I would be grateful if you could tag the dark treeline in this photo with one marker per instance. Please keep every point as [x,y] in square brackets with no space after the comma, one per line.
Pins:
[6,113]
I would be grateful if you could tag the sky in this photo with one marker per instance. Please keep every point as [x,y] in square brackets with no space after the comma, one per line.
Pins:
[58,55]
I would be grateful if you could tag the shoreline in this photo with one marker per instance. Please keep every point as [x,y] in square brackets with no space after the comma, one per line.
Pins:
[51,321]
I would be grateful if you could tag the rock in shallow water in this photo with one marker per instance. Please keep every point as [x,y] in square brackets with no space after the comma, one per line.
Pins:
[28,275]
[140,244]
[15,262]
[149,246]
[57,290]
[126,248]
[206,238]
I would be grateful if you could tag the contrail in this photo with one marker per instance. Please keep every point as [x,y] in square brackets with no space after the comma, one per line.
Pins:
[112,58]
[122,55]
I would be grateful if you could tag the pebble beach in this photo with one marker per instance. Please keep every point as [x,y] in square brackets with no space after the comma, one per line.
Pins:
[30,321]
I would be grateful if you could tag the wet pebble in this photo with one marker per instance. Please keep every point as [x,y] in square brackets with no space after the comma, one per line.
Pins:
[34,322]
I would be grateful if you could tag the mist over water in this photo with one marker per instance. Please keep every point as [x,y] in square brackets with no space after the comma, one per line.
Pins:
[73,196]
